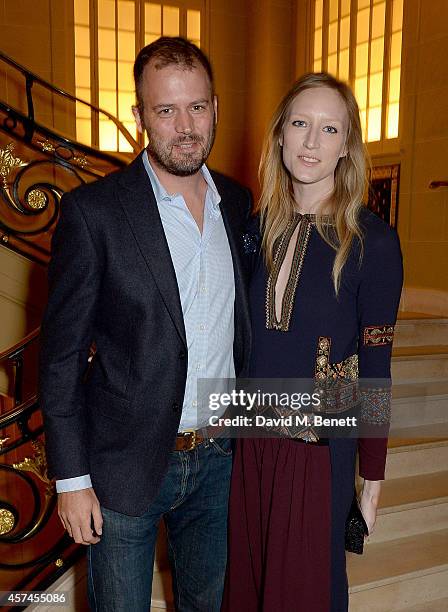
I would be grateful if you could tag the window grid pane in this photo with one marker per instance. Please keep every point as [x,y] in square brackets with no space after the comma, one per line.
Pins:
[318,44]
[194,27]
[378,16]
[394,76]
[153,22]
[170,21]
[82,71]
[366,73]
[318,11]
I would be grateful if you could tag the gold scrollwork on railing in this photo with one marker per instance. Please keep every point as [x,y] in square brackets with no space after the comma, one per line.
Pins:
[37,199]
[8,163]
[7,521]
[48,147]
[36,464]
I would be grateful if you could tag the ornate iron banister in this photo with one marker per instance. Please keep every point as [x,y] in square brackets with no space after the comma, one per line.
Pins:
[37,165]
[34,548]
[31,78]
[20,346]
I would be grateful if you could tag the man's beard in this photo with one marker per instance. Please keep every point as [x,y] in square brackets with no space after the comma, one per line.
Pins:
[184,164]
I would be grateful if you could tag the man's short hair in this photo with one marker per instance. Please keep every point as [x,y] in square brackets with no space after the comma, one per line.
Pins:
[166,51]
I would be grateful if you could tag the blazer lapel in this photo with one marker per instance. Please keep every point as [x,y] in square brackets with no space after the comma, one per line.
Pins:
[234,228]
[140,207]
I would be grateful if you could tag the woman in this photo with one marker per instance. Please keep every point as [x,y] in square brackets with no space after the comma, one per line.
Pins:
[324,297]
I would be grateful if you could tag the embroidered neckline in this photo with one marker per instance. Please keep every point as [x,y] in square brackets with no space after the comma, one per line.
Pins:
[305,224]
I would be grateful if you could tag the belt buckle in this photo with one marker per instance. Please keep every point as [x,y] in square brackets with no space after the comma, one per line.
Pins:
[192,438]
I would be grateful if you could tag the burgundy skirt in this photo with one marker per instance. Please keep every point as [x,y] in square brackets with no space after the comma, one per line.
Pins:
[279,528]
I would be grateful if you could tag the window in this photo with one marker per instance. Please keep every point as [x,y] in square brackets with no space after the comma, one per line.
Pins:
[108,35]
[359,41]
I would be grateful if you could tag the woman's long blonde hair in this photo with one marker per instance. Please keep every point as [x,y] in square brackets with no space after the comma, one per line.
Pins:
[276,205]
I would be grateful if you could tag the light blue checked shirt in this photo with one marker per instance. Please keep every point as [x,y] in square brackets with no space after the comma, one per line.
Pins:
[204,272]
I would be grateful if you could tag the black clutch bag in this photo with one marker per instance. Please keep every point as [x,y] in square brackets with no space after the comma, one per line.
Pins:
[355,528]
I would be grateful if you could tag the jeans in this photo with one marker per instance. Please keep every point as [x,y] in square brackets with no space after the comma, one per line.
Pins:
[193,501]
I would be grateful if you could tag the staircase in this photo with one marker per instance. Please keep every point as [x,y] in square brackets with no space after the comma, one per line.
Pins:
[37,165]
[405,564]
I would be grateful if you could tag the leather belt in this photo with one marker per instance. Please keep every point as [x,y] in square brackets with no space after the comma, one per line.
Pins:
[188,440]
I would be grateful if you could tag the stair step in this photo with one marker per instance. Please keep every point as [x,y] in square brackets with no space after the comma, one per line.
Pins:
[406,315]
[410,506]
[392,575]
[441,605]
[417,363]
[414,459]
[392,524]
[420,388]
[428,433]
[412,491]
[420,331]
[420,410]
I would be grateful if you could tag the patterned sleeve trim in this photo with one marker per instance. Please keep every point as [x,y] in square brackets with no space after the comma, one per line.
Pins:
[376,406]
[378,335]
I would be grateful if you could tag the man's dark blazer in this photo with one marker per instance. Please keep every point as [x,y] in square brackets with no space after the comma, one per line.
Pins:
[112,283]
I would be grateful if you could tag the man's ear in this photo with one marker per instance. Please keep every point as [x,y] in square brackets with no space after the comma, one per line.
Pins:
[138,119]
[215,108]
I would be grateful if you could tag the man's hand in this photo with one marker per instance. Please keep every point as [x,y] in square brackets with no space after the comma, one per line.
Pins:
[369,502]
[76,510]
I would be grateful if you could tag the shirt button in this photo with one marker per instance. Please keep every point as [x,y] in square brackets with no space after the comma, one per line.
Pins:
[198,366]
[194,403]
[203,289]
[202,327]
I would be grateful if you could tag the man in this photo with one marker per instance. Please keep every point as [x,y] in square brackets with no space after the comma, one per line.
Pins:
[147,265]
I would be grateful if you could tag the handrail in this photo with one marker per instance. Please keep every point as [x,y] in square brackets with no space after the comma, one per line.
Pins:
[20,346]
[31,78]
[437,184]
[21,409]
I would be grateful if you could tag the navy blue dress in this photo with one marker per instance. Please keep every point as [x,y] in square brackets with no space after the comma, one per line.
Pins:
[289,501]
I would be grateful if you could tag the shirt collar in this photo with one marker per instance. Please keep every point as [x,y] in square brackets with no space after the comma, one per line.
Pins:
[161,193]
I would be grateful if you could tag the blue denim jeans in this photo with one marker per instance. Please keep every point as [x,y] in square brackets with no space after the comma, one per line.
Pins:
[193,501]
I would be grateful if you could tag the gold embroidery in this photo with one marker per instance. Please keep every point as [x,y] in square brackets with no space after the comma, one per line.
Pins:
[376,335]
[322,358]
[337,387]
[303,237]
[376,406]
[345,369]
[276,421]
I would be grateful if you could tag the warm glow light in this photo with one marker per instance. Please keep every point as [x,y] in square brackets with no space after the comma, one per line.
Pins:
[393,102]
[170,20]
[82,70]
[374,124]
[153,22]
[367,73]
[392,120]
[194,27]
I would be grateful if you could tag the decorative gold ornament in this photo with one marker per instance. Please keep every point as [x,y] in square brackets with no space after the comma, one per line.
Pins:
[36,464]
[8,163]
[81,160]
[3,440]
[36,199]
[47,146]
[7,521]
[59,562]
